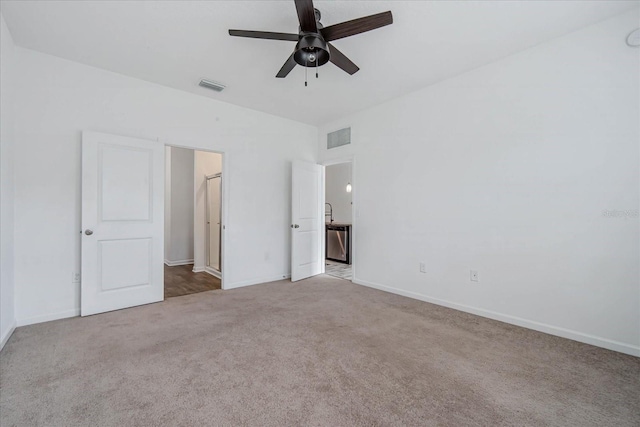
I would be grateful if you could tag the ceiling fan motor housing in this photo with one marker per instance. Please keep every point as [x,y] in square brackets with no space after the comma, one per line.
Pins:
[311,51]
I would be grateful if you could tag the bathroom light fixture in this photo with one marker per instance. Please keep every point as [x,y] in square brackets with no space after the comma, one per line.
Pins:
[349,188]
[633,39]
[218,87]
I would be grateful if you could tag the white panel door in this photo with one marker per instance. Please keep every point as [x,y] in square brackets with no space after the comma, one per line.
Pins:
[122,222]
[307,220]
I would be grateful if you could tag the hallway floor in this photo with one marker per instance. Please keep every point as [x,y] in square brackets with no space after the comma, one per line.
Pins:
[181,280]
[338,269]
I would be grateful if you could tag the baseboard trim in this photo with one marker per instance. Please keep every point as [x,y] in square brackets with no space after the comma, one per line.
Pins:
[8,334]
[49,317]
[198,269]
[256,281]
[213,272]
[513,320]
[179,262]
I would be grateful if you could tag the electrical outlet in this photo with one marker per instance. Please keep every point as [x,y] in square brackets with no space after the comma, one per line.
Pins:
[474,276]
[75,277]
[423,267]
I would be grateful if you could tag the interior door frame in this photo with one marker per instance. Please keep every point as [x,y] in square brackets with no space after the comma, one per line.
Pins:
[224,191]
[208,216]
[354,229]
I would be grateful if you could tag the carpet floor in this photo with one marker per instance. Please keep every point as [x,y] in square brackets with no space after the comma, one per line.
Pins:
[320,352]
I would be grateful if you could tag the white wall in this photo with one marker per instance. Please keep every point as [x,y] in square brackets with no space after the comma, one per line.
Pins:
[179,241]
[59,98]
[512,170]
[7,147]
[336,179]
[206,163]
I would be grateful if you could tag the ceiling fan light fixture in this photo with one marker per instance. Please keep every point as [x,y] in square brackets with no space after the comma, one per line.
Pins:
[209,84]
[311,51]
[314,48]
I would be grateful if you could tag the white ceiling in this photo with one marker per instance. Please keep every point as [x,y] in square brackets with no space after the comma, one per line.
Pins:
[176,43]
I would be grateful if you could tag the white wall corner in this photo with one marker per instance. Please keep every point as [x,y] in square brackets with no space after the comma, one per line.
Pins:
[7,334]
[49,317]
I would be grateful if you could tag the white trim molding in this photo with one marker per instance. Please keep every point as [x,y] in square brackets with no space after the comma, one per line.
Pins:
[7,335]
[513,320]
[49,317]
[213,272]
[257,281]
[179,262]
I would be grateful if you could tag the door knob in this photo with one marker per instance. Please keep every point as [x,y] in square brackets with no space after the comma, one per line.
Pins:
[88,232]
[296,226]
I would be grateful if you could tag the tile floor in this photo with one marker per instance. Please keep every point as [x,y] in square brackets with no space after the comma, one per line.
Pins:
[337,269]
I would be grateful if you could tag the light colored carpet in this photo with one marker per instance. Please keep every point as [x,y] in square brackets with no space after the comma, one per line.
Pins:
[318,352]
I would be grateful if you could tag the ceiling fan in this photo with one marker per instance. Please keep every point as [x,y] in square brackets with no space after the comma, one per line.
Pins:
[313,48]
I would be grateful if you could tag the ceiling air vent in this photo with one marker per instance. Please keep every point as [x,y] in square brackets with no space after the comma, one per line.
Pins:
[218,87]
[338,138]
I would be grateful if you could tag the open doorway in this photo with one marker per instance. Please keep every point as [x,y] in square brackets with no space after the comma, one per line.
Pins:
[339,220]
[193,221]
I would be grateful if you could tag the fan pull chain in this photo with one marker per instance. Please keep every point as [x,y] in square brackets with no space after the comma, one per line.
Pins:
[317,69]
[305,72]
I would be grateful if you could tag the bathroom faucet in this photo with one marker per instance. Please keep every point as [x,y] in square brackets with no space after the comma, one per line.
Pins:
[330,213]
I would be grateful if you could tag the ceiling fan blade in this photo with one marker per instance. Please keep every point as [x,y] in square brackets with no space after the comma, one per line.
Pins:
[306,16]
[356,26]
[287,67]
[340,60]
[264,35]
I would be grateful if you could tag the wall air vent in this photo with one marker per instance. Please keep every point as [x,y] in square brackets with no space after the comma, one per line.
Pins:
[338,138]
[218,87]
